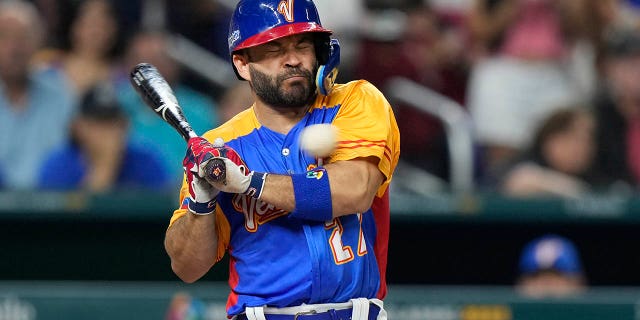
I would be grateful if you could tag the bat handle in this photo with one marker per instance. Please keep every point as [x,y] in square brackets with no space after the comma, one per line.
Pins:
[190,134]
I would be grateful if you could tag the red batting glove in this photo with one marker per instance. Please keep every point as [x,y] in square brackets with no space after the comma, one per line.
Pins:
[202,194]
[199,152]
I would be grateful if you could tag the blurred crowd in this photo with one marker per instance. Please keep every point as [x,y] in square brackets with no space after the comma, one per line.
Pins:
[551,87]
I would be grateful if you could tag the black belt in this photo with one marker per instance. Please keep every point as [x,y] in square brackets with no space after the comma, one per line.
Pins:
[343,314]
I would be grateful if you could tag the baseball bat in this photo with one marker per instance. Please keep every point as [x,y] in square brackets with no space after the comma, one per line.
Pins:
[158,95]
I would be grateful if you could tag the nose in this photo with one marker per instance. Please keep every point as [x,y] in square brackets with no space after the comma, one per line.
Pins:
[292,57]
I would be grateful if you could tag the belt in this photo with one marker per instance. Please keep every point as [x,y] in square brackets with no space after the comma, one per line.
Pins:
[342,314]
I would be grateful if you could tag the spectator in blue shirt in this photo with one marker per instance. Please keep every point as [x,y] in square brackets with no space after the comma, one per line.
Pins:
[35,106]
[99,157]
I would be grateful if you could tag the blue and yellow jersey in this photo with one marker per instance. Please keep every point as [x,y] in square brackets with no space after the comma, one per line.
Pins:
[280,261]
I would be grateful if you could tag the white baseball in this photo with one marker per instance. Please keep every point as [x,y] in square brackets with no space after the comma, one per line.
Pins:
[319,139]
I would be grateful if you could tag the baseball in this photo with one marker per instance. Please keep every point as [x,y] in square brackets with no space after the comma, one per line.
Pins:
[319,139]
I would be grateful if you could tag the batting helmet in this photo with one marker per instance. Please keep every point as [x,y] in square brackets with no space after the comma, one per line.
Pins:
[255,22]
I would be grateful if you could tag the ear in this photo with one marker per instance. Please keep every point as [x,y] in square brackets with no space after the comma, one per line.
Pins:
[241,64]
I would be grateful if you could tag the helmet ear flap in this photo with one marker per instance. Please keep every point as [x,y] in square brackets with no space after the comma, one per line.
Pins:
[328,69]
[322,46]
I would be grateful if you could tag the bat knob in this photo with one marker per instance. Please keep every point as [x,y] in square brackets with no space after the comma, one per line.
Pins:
[215,171]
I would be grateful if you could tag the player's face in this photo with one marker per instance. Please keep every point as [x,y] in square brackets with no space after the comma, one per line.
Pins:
[282,71]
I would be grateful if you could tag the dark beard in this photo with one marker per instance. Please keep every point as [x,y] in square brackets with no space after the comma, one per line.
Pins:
[271,93]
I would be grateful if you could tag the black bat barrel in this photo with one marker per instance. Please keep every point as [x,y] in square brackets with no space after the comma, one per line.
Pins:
[157,94]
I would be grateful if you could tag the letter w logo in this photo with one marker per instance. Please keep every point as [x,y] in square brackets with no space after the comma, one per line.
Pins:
[285,7]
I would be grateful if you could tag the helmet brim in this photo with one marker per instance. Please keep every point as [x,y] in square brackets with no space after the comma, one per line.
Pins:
[280,32]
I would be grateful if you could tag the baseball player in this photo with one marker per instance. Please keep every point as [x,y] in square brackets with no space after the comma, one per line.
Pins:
[306,241]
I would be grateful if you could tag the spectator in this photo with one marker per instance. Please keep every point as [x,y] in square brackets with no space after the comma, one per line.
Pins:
[560,160]
[235,99]
[618,109]
[89,54]
[52,14]
[35,106]
[550,267]
[99,157]
[346,25]
[427,50]
[204,22]
[146,127]
[629,14]
[529,60]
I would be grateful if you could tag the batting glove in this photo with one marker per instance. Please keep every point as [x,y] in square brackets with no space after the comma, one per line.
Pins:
[202,194]
[238,178]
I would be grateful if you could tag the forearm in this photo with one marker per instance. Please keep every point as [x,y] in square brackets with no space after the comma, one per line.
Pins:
[278,191]
[343,187]
[353,186]
[191,243]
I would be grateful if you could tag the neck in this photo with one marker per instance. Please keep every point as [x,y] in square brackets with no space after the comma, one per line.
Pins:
[279,119]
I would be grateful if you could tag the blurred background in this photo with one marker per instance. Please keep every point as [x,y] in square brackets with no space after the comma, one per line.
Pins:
[516,196]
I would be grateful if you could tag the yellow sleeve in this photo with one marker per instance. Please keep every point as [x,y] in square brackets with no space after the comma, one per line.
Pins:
[367,127]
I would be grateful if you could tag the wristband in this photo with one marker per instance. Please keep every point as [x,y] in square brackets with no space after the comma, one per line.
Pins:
[313,195]
[256,184]
[202,208]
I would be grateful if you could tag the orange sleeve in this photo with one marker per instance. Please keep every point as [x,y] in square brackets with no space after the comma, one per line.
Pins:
[367,127]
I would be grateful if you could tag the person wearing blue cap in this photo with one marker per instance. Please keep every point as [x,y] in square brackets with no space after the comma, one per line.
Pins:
[550,266]
[99,156]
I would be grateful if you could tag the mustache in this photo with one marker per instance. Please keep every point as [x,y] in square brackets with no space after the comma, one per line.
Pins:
[295,72]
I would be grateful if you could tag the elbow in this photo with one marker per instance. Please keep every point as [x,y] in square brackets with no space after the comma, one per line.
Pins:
[189,270]
[187,276]
[366,197]
[364,205]
[189,267]
[187,279]
[356,203]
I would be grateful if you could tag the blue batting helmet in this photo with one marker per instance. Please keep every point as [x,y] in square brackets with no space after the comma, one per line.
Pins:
[256,22]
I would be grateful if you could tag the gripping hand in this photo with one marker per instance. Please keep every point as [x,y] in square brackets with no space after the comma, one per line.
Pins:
[202,194]
[238,179]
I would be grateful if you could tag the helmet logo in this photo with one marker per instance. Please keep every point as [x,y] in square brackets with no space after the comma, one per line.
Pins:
[285,7]
[233,37]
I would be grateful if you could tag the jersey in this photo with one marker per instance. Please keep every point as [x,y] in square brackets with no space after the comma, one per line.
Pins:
[280,261]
